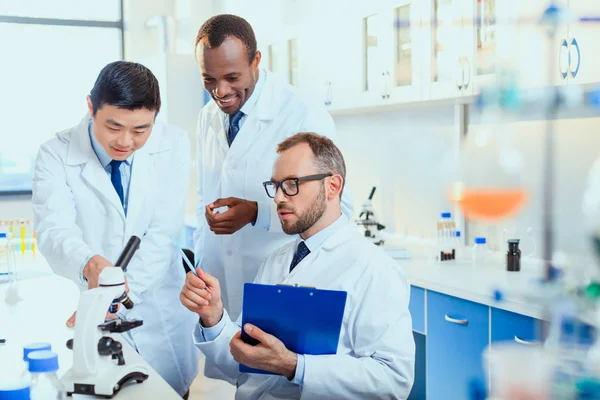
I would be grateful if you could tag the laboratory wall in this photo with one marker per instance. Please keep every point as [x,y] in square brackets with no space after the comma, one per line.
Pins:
[407,153]
[410,156]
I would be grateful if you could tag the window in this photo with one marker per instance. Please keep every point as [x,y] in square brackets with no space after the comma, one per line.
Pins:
[49,64]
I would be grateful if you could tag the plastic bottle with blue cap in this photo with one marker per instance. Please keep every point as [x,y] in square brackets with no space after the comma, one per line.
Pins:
[15,391]
[28,349]
[43,367]
[445,237]
[479,251]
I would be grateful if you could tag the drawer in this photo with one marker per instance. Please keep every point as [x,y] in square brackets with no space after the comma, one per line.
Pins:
[457,334]
[507,325]
[416,306]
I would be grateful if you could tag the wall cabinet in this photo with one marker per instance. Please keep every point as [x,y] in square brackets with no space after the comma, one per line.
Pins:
[386,52]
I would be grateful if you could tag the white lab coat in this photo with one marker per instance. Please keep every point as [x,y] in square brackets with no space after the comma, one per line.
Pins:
[78,213]
[376,351]
[239,172]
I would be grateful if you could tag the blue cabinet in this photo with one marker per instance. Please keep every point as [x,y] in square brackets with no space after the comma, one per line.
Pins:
[507,325]
[457,334]
[419,388]
[416,306]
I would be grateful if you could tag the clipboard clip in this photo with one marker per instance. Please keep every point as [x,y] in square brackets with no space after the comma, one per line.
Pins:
[295,285]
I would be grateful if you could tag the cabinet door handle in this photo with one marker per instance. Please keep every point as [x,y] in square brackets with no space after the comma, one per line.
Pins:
[460,81]
[328,94]
[468,64]
[388,84]
[525,342]
[564,48]
[456,321]
[576,45]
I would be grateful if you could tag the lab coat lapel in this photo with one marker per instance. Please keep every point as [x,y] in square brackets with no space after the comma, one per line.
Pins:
[138,185]
[218,128]
[310,268]
[255,124]
[81,152]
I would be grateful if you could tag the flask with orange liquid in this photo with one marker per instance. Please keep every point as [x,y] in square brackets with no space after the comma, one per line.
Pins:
[489,186]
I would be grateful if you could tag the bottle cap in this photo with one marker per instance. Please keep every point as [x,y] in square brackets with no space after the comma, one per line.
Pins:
[446,215]
[15,391]
[480,240]
[43,361]
[457,233]
[35,347]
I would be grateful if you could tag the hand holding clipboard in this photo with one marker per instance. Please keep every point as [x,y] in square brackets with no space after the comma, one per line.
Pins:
[305,320]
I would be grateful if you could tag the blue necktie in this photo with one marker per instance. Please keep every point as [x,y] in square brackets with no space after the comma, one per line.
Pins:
[115,178]
[301,252]
[234,126]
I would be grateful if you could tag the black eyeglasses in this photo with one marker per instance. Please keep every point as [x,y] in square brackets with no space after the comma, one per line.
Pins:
[290,186]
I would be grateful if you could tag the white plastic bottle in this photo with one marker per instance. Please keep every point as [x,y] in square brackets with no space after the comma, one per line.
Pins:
[45,385]
[479,252]
[443,237]
[14,391]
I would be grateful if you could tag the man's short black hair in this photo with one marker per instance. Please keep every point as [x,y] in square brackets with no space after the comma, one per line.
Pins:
[126,85]
[216,29]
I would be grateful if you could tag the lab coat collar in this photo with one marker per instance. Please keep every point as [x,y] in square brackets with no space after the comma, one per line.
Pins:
[80,147]
[316,241]
[341,236]
[265,108]
[248,107]
[81,152]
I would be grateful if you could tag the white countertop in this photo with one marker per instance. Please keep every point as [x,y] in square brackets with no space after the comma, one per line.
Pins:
[477,284]
[48,301]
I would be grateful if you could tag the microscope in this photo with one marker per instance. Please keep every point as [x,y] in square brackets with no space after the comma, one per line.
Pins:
[367,219]
[99,365]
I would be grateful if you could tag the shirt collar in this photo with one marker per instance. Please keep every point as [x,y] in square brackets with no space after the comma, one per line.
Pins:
[315,242]
[251,102]
[102,155]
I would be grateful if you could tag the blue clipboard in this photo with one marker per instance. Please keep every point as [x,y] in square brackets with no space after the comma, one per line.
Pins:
[306,320]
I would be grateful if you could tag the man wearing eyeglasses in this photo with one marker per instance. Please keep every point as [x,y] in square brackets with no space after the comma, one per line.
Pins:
[376,351]
[238,132]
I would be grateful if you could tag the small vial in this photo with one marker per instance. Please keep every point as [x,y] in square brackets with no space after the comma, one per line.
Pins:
[479,252]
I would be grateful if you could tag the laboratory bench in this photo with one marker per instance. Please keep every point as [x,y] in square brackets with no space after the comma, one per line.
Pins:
[48,300]
[457,310]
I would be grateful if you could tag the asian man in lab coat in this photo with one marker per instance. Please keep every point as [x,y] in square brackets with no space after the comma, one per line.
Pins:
[376,350]
[238,132]
[118,173]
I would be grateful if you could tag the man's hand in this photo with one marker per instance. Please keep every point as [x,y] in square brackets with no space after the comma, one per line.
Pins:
[202,294]
[270,355]
[240,213]
[71,320]
[92,270]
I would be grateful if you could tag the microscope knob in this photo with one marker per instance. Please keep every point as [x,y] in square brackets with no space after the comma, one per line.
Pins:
[108,346]
[70,344]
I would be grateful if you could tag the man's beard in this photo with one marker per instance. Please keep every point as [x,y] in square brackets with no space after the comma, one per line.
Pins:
[308,218]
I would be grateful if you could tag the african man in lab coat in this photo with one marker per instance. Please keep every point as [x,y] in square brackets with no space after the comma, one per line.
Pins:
[376,350]
[119,173]
[238,132]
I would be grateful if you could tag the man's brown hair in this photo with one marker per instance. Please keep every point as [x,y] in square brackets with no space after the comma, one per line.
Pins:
[328,158]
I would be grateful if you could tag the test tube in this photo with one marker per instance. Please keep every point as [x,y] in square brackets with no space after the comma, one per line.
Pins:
[23,234]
